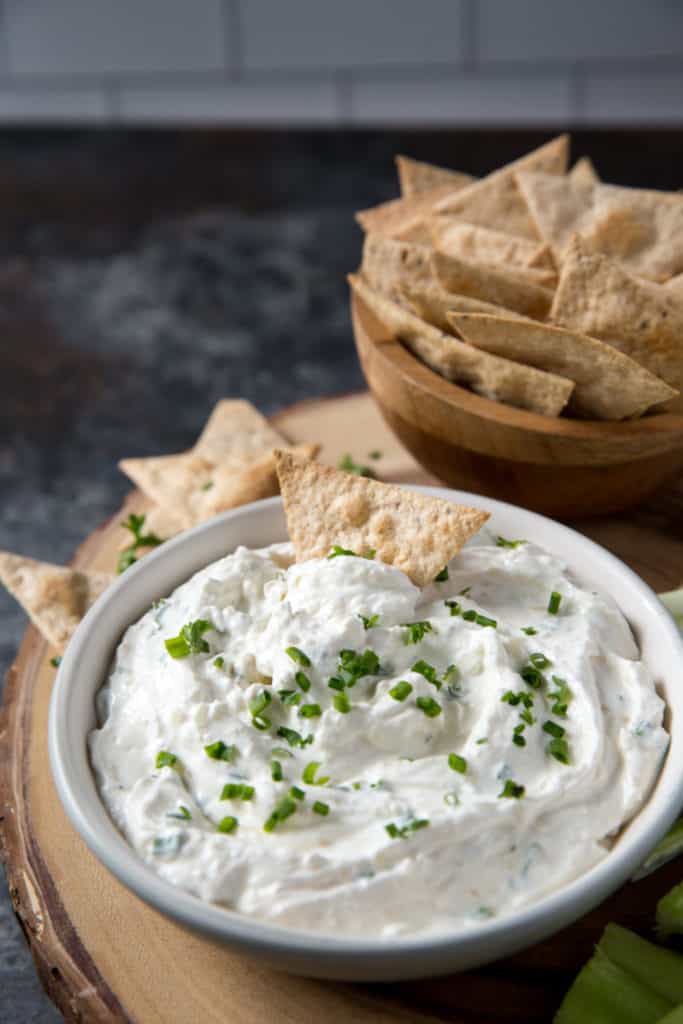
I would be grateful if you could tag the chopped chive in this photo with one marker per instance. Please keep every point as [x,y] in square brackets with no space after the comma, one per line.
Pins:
[256,708]
[369,623]
[455,608]
[335,683]
[464,592]
[165,759]
[539,660]
[403,832]
[428,672]
[302,681]
[527,717]
[518,740]
[501,542]
[554,602]
[429,706]
[281,752]
[220,751]
[282,810]
[297,793]
[276,771]
[509,697]
[228,824]
[529,630]
[346,462]
[470,615]
[402,690]
[415,631]
[190,639]
[337,551]
[341,703]
[289,697]
[483,739]
[532,676]
[294,738]
[298,656]
[219,662]
[457,763]
[261,722]
[308,775]
[452,799]
[562,697]
[512,790]
[442,576]
[237,791]
[183,813]
[483,620]
[310,711]
[56,661]
[375,454]
[553,729]
[320,808]
[354,666]
[559,749]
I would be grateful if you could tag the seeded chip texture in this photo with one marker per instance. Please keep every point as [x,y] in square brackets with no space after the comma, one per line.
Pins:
[54,597]
[415,532]
[489,376]
[608,385]
[500,285]
[387,263]
[495,201]
[484,245]
[644,320]
[416,177]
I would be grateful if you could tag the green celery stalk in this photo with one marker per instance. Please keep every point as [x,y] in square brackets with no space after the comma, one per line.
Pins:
[659,969]
[604,993]
[668,848]
[670,913]
[675,1017]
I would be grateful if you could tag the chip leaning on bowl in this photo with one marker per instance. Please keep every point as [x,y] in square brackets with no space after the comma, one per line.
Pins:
[533,241]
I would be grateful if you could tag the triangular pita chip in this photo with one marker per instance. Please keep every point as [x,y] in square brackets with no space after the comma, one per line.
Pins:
[54,597]
[584,172]
[495,202]
[641,229]
[596,296]
[415,532]
[483,245]
[608,385]
[388,263]
[502,286]
[490,376]
[404,218]
[431,302]
[416,177]
[236,433]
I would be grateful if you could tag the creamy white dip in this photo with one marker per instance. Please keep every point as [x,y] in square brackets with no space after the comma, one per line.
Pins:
[426,813]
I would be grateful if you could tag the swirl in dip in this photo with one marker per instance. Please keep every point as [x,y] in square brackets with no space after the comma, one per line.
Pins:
[325,746]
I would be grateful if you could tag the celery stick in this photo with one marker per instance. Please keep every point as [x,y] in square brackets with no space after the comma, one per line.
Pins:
[670,913]
[675,1017]
[659,969]
[668,848]
[605,993]
[673,600]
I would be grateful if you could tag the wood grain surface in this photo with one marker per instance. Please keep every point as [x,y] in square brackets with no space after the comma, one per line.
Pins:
[103,955]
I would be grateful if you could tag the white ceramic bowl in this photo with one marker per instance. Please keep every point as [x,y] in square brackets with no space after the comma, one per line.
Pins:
[85,666]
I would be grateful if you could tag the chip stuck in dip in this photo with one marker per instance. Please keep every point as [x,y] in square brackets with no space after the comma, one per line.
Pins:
[331,741]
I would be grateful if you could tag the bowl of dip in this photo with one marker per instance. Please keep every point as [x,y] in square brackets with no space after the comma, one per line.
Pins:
[326,768]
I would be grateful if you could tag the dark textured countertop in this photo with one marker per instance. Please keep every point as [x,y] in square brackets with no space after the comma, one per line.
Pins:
[144,276]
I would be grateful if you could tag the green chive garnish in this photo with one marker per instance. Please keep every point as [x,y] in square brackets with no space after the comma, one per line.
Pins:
[296,793]
[56,661]
[219,662]
[294,738]
[183,813]
[134,524]
[220,751]
[228,824]
[289,697]
[454,606]
[553,729]
[539,660]
[559,749]
[276,771]
[401,690]
[302,681]
[512,790]
[501,542]
[415,631]
[442,576]
[308,775]
[256,707]
[405,831]
[341,703]
[562,697]
[320,808]
[298,656]
[336,683]
[483,620]
[282,810]
[310,711]
[428,672]
[532,676]
[529,630]
[189,640]
[457,763]
[237,791]
[165,759]
[369,623]
[346,462]
[429,706]
[282,751]
[554,602]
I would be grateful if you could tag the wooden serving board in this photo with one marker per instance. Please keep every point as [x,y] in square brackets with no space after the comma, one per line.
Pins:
[103,955]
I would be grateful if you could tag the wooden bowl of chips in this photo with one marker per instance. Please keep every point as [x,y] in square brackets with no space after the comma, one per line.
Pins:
[567,468]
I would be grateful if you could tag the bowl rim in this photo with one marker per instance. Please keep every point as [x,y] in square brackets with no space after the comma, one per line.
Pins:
[452,394]
[509,932]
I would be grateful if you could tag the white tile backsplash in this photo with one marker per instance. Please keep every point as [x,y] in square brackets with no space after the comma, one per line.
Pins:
[318,62]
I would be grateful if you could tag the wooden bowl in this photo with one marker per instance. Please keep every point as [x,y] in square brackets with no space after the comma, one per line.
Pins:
[561,467]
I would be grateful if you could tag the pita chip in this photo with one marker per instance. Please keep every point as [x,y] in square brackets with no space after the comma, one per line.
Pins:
[404,218]
[416,177]
[584,172]
[495,201]
[641,229]
[675,286]
[236,433]
[388,263]
[596,296]
[489,376]
[54,597]
[431,302]
[499,285]
[414,532]
[608,385]
[483,245]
